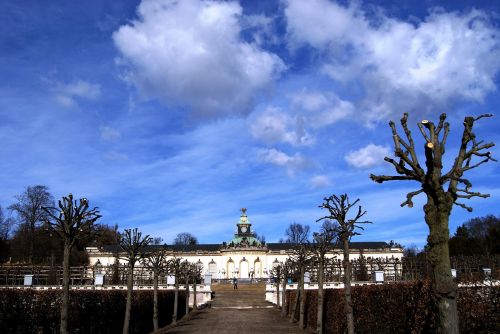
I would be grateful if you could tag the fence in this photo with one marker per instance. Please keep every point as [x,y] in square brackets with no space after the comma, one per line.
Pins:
[468,269]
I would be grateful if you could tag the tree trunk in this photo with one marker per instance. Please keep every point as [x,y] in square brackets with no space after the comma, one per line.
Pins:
[278,293]
[444,287]
[155,300]
[296,302]
[32,243]
[347,288]
[128,307]
[176,302]
[302,309]
[319,321]
[283,297]
[187,295]
[195,305]
[65,289]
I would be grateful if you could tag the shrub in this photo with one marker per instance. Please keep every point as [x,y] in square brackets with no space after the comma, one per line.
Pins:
[91,311]
[403,307]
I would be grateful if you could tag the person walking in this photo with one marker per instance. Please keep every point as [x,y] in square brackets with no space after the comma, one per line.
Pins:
[235,283]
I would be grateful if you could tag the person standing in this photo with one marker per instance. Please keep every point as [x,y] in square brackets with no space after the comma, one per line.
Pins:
[235,283]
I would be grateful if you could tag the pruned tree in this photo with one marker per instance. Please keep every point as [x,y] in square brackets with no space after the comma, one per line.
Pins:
[156,261]
[322,245]
[185,239]
[187,270]
[278,274]
[344,230]
[301,258]
[175,267]
[297,233]
[287,268]
[28,209]
[133,244]
[71,221]
[443,189]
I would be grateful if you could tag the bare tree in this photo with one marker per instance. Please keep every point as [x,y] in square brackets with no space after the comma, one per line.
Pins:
[345,229]
[278,273]
[71,221]
[175,267]
[30,213]
[187,270]
[185,239]
[133,244]
[322,245]
[156,261]
[287,267]
[297,233]
[443,190]
[301,258]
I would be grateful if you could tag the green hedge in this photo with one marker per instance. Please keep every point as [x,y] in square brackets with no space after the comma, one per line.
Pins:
[403,307]
[91,311]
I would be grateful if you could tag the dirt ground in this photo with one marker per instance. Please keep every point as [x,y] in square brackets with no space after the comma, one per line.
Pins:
[237,311]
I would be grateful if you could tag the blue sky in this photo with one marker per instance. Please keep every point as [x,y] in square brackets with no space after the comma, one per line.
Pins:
[171,116]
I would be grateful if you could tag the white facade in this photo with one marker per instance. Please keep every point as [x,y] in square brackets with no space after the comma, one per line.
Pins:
[244,256]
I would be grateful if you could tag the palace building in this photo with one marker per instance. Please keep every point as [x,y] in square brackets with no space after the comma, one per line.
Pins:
[244,256]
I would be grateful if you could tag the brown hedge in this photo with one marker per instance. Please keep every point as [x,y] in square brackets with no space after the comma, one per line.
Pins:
[403,307]
[91,311]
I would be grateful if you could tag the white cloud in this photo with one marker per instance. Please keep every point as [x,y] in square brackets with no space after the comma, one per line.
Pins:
[66,94]
[292,163]
[273,125]
[402,66]
[190,53]
[320,181]
[368,156]
[322,108]
[109,134]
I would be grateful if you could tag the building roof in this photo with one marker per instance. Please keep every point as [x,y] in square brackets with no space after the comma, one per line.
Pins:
[352,245]
[218,247]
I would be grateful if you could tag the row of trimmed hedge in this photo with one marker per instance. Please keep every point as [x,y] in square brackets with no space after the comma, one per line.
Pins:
[402,307]
[91,311]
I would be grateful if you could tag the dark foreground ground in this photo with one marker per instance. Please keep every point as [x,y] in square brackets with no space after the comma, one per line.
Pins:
[237,311]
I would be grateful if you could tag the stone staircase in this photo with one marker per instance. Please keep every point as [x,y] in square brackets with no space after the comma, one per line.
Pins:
[246,296]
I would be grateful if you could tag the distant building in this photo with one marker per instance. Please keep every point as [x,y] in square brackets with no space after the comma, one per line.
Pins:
[243,256]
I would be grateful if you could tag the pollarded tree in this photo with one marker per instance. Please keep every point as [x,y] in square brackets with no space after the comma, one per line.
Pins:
[301,259]
[443,189]
[156,261]
[174,267]
[322,245]
[287,268]
[278,274]
[344,230]
[71,221]
[133,244]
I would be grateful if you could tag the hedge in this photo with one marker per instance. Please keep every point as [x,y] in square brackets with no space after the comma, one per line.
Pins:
[91,311]
[402,307]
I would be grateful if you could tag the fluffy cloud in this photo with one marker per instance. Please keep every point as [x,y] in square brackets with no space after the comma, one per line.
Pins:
[368,156]
[190,53]
[67,94]
[402,66]
[292,163]
[322,108]
[274,126]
